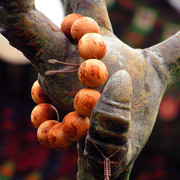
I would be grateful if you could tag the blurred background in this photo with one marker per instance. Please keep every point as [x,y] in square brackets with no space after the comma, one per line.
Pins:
[140,24]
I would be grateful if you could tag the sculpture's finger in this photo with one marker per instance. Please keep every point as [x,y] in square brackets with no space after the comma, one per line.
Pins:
[167,53]
[91,8]
[108,135]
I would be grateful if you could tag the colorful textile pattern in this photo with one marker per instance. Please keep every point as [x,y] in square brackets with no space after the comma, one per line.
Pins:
[140,24]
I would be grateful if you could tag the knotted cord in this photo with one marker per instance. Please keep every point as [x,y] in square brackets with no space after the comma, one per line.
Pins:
[70,69]
[107,161]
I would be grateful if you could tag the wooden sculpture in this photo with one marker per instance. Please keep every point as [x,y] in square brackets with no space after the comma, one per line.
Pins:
[124,116]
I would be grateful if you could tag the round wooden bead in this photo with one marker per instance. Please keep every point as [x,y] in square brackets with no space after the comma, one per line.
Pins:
[43,112]
[43,132]
[75,126]
[58,139]
[67,23]
[92,73]
[83,26]
[92,45]
[85,100]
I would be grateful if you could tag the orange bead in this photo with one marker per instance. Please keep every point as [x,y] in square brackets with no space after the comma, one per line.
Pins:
[85,100]
[67,23]
[43,112]
[58,139]
[92,45]
[43,132]
[92,73]
[38,94]
[83,26]
[75,126]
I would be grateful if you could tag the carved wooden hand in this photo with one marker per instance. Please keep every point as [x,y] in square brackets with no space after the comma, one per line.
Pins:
[124,116]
